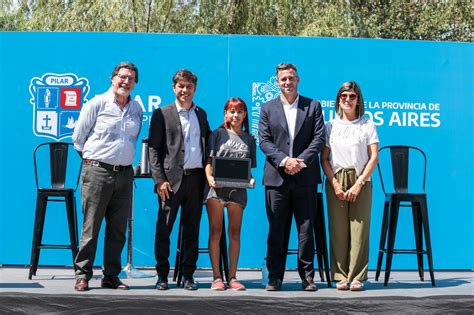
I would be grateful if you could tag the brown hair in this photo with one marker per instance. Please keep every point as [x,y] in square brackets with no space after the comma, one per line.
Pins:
[185,75]
[346,86]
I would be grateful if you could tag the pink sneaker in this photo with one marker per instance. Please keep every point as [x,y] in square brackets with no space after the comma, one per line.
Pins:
[218,285]
[235,285]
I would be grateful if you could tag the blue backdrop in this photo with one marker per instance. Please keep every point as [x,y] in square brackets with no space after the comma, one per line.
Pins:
[418,93]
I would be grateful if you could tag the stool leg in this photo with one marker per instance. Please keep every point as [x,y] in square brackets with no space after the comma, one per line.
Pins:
[392,229]
[76,222]
[418,237]
[317,238]
[76,229]
[224,261]
[71,223]
[319,256]
[383,238]
[287,241]
[426,227]
[326,258]
[41,201]
[322,236]
[180,272]
[179,250]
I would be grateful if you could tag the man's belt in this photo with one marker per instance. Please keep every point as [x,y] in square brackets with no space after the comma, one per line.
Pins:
[192,171]
[109,167]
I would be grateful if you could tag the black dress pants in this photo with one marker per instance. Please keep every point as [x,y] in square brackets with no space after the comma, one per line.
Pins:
[281,202]
[190,198]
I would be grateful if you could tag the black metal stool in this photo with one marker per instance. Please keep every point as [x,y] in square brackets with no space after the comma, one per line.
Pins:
[58,191]
[223,263]
[399,157]
[321,249]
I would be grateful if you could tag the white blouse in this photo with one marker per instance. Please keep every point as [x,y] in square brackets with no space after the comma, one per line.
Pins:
[349,141]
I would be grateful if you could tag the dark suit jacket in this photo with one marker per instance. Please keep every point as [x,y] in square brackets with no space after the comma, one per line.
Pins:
[275,141]
[166,146]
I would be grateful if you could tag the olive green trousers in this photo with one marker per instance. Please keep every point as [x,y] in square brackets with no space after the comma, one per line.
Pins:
[349,227]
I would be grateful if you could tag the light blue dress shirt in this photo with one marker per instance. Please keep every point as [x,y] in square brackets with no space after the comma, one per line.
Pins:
[191,136]
[106,133]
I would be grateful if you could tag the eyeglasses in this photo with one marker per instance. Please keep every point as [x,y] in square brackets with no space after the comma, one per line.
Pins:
[350,96]
[123,77]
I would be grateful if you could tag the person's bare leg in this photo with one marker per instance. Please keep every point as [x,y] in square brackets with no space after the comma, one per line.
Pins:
[215,213]
[234,213]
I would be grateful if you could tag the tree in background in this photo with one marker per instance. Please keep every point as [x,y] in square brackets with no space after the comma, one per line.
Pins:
[393,19]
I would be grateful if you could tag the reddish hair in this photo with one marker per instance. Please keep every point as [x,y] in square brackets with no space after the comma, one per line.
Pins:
[238,104]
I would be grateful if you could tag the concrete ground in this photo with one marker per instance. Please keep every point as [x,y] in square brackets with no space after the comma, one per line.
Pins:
[57,281]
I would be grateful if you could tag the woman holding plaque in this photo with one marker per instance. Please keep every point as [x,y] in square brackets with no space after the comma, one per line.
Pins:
[231,140]
[348,160]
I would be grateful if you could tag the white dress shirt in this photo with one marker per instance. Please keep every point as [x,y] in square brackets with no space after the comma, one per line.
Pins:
[191,136]
[290,114]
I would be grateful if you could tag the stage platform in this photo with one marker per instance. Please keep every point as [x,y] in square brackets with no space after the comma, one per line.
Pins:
[51,291]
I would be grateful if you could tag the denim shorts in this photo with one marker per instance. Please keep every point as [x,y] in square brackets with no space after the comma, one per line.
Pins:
[226,195]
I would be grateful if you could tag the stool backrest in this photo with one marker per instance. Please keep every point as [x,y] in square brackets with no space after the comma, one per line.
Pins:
[60,155]
[405,161]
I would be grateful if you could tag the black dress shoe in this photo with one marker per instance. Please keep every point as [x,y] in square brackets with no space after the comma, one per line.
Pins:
[82,284]
[190,284]
[273,285]
[162,284]
[113,283]
[309,285]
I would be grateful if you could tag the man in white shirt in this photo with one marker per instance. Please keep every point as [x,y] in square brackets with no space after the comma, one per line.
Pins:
[291,132]
[177,144]
[105,136]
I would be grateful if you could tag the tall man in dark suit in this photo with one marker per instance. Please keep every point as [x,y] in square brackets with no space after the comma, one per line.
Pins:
[291,132]
[177,141]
